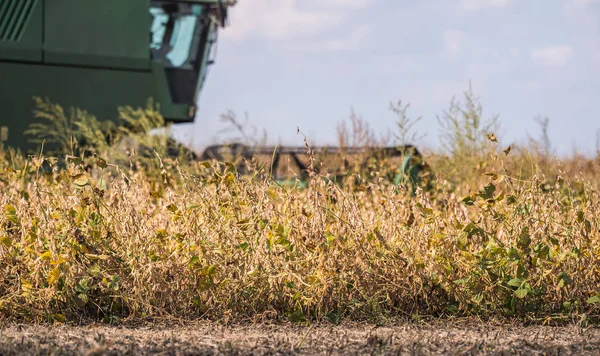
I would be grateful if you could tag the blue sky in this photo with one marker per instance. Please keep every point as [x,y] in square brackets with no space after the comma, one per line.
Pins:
[307,63]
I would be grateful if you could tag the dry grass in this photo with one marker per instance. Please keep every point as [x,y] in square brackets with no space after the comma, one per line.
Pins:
[504,234]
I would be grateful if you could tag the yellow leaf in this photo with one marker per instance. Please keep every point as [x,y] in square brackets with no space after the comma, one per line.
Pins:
[25,287]
[58,318]
[80,180]
[6,241]
[492,137]
[53,276]
[46,255]
[96,257]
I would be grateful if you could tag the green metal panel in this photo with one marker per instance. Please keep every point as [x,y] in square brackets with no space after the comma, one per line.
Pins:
[116,33]
[21,30]
[171,111]
[99,91]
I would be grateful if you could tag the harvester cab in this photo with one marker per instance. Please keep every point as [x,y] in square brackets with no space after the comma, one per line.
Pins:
[99,55]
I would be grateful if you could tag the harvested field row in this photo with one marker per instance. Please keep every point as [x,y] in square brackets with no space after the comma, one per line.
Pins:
[348,339]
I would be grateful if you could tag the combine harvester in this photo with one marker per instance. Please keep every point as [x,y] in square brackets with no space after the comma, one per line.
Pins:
[100,55]
[97,55]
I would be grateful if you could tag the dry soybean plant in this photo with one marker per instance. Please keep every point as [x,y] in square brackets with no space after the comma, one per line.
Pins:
[85,237]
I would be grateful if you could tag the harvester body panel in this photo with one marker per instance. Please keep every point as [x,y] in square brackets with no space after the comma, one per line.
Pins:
[99,55]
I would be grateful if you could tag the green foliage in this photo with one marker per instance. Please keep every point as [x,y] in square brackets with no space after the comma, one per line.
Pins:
[406,132]
[464,128]
[65,133]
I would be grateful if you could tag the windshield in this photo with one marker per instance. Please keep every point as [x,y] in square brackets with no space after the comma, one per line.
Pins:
[181,38]
[173,30]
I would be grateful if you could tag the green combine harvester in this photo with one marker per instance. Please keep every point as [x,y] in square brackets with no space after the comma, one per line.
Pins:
[101,55]
[98,55]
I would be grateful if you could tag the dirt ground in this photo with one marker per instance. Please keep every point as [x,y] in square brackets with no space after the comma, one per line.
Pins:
[351,339]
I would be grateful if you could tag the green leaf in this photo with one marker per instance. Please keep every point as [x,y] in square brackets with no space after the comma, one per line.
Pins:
[472,229]
[424,210]
[593,300]
[513,254]
[452,308]
[334,318]
[101,163]
[114,283]
[194,260]
[94,270]
[515,282]
[588,226]
[542,250]
[521,293]
[565,278]
[83,297]
[209,271]
[524,239]
[243,246]
[522,271]
[297,317]
[282,241]
[83,286]
[488,191]
[468,200]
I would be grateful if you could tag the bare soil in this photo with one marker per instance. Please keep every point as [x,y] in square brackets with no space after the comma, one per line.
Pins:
[351,339]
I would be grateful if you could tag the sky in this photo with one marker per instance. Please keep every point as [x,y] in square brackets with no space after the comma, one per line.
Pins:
[288,64]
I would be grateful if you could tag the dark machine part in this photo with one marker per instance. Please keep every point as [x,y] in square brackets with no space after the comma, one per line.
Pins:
[408,161]
[99,55]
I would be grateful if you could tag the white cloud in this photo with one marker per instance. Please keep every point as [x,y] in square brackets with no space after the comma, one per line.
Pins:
[283,19]
[349,42]
[453,40]
[552,56]
[349,4]
[471,5]
[275,19]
